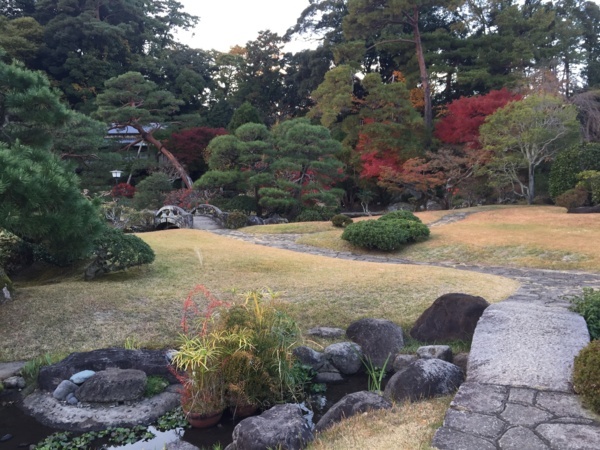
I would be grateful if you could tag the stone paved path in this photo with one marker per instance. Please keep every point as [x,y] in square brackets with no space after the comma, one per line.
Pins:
[518,409]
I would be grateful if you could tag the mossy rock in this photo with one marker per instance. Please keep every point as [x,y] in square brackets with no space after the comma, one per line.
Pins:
[586,375]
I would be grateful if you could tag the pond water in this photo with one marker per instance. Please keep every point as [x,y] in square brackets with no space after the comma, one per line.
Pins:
[25,430]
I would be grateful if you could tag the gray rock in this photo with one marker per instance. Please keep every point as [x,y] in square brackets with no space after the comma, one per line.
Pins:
[519,438]
[350,405]
[152,362]
[328,374]
[65,388]
[447,439]
[526,416]
[345,356]
[14,382]
[326,332]
[433,206]
[521,395]
[310,357]
[10,369]
[509,349]
[402,361]
[113,385]
[181,445]
[443,352]
[424,378]
[379,339]
[570,436]
[483,425]
[566,405]
[450,317]
[480,398]
[71,399]
[81,377]
[282,426]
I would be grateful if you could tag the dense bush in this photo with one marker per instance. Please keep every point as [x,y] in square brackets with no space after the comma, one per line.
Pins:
[385,235]
[586,375]
[126,218]
[588,305]
[315,214]
[243,203]
[566,166]
[400,214]
[573,198]
[341,220]
[122,190]
[235,220]
[116,251]
[590,181]
[187,199]
[15,254]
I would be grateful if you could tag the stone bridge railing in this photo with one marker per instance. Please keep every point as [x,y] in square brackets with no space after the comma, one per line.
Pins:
[173,216]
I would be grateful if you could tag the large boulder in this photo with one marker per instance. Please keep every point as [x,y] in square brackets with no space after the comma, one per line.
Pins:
[350,405]
[422,379]
[152,362]
[310,357]
[379,339]
[282,426]
[450,317]
[113,385]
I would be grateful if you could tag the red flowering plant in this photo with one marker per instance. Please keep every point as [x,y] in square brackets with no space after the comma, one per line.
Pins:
[122,190]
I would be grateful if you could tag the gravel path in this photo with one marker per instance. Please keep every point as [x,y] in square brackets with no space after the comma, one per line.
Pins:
[518,392]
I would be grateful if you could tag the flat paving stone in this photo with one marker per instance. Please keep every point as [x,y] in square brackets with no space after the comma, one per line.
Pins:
[480,398]
[570,436]
[562,405]
[520,438]
[521,415]
[480,424]
[447,439]
[520,395]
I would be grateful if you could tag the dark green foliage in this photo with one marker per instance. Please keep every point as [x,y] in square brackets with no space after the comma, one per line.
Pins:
[151,192]
[341,220]
[573,198]
[386,235]
[586,375]
[236,219]
[246,113]
[40,202]
[243,203]
[116,251]
[15,254]
[401,214]
[568,163]
[588,305]
[315,214]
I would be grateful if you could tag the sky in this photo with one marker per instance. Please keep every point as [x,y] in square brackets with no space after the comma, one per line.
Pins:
[226,23]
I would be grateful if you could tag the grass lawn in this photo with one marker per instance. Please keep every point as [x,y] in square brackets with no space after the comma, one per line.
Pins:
[522,236]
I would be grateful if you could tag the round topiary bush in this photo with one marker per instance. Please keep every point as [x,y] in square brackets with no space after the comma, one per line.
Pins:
[586,375]
[400,214]
[341,220]
[309,215]
[384,235]
[235,220]
[573,198]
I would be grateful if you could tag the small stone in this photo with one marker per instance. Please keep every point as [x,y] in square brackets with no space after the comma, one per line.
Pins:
[461,360]
[345,356]
[71,399]
[81,377]
[15,382]
[6,437]
[481,398]
[63,390]
[483,425]
[570,436]
[524,415]
[442,352]
[521,395]
[326,332]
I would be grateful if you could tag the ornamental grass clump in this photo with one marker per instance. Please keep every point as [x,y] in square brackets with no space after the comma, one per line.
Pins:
[386,235]
[588,305]
[237,354]
[586,375]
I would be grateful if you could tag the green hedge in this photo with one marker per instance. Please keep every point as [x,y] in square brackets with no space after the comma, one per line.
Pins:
[386,235]
[586,375]
[341,220]
[400,214]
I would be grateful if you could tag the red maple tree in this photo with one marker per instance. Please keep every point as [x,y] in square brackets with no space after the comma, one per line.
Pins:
[189,146]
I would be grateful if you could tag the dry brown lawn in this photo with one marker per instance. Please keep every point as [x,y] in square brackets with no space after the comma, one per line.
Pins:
[524,236]
[62,313]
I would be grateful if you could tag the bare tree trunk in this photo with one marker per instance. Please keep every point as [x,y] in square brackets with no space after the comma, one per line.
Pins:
[531,184]
[423,70]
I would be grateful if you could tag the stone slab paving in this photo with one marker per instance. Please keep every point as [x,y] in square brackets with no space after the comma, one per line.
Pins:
[518,391]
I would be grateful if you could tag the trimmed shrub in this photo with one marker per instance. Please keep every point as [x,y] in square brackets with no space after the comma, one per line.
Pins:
[400,214]
[15,254]
[243,203]
[570,162]
[384,235]
[316,214]
[573,198]
[115,250]
[236,219]
[341,221]
[588,305]
[586,375]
